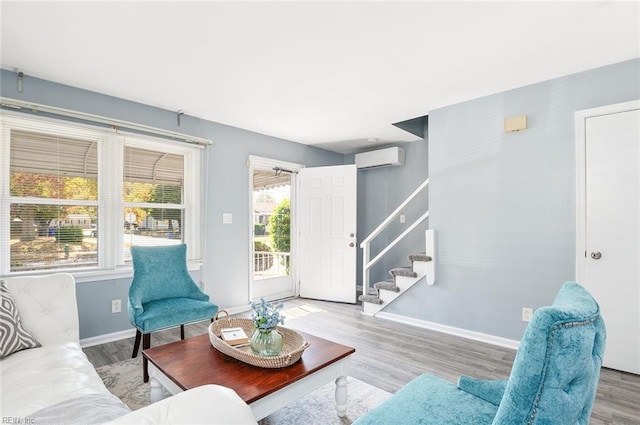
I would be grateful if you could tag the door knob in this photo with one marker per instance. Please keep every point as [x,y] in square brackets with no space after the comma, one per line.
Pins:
[596,255]
[351,244]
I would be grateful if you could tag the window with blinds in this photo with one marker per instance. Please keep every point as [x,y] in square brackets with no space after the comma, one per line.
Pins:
[153,202]
[54,213]
[78,197]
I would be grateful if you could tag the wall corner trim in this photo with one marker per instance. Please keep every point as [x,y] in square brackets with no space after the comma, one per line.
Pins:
[451,330]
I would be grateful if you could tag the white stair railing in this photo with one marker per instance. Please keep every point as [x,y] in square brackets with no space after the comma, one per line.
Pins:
[367,262]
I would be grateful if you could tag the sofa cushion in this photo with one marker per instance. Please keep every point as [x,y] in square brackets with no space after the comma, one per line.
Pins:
[160,314]
[430,400]
[13,336]
[48,306]
[41,377]
[90,409]
[206,405]
[486,389]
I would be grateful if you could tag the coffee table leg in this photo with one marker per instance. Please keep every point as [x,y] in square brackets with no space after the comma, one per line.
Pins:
[341,395]
[156,393]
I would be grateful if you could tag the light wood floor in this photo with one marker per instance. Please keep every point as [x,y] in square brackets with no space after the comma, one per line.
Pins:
[389,354]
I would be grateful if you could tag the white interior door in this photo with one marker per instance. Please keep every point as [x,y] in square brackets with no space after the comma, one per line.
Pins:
[611,243]
[327,251]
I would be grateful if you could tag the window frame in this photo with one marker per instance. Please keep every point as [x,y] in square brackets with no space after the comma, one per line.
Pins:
[110,202]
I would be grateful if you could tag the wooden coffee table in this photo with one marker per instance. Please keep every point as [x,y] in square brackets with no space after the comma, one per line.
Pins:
[193,362]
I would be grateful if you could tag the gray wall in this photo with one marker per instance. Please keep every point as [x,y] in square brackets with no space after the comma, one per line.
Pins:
[94,306]
[226,270]
[380,192]
[226,267]
[503,205]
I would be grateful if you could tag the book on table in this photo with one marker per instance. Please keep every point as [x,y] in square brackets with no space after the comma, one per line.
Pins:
[234,336]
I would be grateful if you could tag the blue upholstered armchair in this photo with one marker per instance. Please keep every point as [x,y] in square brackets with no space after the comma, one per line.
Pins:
[553,380]
[163,295]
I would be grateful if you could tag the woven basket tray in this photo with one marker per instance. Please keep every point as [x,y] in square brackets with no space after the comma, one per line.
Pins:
[293,343]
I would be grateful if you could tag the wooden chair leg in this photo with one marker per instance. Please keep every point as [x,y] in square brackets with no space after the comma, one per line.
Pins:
[181,331]
[136,344]
[145,370]
[146,343]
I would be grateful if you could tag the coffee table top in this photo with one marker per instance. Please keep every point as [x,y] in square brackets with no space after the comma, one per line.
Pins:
[194,362]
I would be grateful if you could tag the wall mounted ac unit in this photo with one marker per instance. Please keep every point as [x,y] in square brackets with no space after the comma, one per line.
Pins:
[381,158]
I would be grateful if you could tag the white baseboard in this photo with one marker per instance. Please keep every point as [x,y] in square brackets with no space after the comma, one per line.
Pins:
[238,309]
[464,333]
[103,339]
[130,333]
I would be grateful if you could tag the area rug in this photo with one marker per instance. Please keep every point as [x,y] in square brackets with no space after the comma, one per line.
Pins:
[124,379]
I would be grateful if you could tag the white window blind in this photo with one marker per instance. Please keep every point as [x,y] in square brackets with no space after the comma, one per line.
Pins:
[53,155]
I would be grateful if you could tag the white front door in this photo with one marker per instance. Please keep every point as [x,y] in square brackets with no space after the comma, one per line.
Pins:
[609,255]
[327,251]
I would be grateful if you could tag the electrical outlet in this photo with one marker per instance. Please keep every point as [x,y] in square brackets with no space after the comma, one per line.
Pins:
[402,218]
[116,306]
[527,313]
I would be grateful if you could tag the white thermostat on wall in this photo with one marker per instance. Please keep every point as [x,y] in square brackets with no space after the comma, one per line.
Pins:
[227,218]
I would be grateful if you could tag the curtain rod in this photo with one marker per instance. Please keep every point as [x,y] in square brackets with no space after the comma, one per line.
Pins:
[124,125]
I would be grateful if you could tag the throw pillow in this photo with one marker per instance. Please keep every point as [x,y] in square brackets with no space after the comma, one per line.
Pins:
[13,336]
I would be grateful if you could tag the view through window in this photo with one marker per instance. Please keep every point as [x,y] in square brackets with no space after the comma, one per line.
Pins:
[272,225]
[152,194]
[54,177]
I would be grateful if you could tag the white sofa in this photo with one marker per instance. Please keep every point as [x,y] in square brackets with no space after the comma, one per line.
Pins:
[38,378]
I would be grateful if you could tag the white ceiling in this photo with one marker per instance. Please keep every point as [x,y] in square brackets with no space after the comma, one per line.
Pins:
[329,74]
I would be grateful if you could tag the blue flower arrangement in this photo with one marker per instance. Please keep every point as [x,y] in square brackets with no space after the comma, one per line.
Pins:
[266,315]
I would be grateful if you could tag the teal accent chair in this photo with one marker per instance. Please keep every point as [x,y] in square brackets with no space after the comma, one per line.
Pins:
[553,380]
[163,295]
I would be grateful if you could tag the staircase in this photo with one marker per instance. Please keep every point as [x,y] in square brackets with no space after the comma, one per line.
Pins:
[402,278]
[377,297]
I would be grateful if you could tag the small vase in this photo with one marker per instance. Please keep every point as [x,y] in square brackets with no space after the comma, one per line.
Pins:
[266,342]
